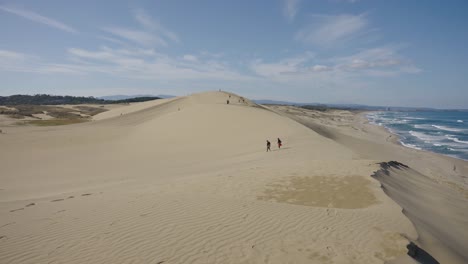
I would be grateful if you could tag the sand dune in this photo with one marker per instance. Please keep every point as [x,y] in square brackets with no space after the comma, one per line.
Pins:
[188,180]
[440,215]
[432,191]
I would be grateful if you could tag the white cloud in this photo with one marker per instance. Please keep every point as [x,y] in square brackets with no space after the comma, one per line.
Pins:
[321,68]
[38,18]
[189,57]
[288,66]
[147,64]
[381,61]
[10,55]
[134,63]
[290,9]
[411,69]
[329,30]
[375,62]
[19,62]
[302,71]
[290,69]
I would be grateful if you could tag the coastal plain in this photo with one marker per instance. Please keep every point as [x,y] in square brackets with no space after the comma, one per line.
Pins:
[188,180]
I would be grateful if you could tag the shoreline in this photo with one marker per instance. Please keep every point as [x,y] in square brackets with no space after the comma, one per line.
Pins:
[399,141]
[395,139]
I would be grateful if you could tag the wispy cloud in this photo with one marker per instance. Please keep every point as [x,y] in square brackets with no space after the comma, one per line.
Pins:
[380,61]
[38,18]
[189,57]
[284,67]
[151,32]
[347,1]
[375,62]
[12,61]
[113,40]
[149,65]
[11,55]
[137,36]
[329,30]
[321,68]
[149,23]
[129,63]
[290,9]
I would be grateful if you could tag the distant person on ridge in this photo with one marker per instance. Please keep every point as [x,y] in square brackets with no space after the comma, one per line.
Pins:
[268,146]
[279,143]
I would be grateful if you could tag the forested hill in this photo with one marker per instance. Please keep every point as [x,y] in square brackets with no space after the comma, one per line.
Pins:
[45,99]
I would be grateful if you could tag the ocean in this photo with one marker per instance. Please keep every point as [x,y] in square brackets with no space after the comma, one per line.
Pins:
[443,132]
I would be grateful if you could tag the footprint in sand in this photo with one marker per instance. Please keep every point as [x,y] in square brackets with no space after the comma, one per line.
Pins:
[57,200]
[331,251]
[31,204]
[86,194]
[14,210]
[7,224]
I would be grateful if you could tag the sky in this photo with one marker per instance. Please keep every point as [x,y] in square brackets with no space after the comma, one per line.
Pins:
[374,52]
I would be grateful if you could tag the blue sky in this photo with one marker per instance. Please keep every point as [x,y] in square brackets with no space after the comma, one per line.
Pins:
[399,53]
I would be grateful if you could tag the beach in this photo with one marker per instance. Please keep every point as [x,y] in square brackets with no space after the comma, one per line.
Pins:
[188,180]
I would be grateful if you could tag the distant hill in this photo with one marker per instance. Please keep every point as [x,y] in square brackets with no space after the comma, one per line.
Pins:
[46,99]
[165,96]
[275,102]
[123,97]
[318,106]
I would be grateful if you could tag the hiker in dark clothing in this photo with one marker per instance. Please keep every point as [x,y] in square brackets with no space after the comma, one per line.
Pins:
[279,143]
[268,146]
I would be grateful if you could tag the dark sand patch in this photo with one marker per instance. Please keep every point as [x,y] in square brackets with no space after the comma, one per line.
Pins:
[322,191]
[57,122]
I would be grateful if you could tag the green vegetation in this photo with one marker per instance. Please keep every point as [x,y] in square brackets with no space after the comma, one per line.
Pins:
[45,99]
[321,108]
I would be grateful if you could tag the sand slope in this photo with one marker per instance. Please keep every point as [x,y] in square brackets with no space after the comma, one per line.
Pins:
[432,191]
[188,180]
[440,215]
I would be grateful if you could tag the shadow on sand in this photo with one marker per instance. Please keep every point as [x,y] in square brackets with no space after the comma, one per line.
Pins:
[420,255]
[280,149]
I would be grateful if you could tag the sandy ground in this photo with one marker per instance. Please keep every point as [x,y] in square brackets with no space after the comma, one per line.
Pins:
[188,180]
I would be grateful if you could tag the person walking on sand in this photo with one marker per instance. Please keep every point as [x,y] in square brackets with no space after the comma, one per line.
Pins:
[279,143]
[268,146]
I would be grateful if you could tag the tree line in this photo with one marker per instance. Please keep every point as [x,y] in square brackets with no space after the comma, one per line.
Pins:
[46,99]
